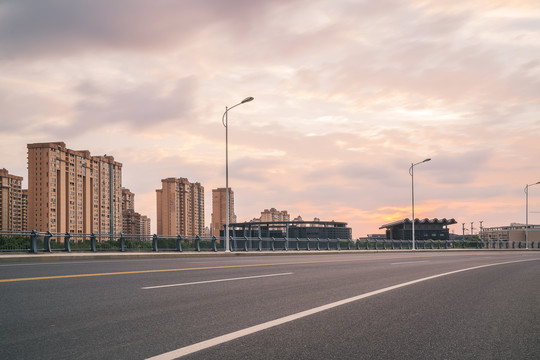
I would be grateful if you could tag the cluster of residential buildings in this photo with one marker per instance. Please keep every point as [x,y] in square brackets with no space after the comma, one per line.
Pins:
[74,191]
[69,191]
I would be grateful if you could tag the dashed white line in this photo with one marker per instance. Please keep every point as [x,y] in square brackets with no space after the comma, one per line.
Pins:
[213,281]
[175,354]
[408,262]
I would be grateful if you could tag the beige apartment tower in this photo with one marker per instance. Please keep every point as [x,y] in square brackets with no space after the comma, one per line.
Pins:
[219,210]
[133,223]
[72,191]
[12,209]
[180,208]
[274,215]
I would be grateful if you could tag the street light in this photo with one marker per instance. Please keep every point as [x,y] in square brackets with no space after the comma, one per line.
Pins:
[527,214]
[411,172]
[225,121]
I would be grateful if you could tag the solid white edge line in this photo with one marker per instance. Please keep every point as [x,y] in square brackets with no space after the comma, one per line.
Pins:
[214,281]
[190,349]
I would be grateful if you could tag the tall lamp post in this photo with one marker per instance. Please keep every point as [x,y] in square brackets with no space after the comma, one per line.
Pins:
[225,121]
[411,172]
[527,213]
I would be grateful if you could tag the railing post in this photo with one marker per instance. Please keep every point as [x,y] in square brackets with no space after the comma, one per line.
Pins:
[384,244]
[392,246]
[286,244]
[245,243]
[214,246]
[349,244]
[198,243]
[338,246]
[357,244]
[47,242]
[179,243]
[93,242]
[122,243]
[66,242]
[307,244]
[318,244]
[260,244]
[327,244]
[33,242]
[367,244]
[297,244]
[401,244]
[273,244]
[154,243]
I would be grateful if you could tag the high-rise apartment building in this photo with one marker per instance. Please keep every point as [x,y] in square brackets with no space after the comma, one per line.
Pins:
[25,209]
[133,223]
[72,191]
[128,200]
[219,210]
[11,202]
[145,225]
[180,207]
[273,215]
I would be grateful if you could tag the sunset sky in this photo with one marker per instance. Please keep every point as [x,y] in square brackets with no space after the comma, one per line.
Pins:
[347,95]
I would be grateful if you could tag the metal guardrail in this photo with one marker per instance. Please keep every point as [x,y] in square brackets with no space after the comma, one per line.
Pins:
[34,242]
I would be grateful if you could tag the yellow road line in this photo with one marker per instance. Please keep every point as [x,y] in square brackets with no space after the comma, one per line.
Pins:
[203,268]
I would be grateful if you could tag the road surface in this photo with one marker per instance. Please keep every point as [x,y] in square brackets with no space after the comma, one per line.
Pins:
[346,305]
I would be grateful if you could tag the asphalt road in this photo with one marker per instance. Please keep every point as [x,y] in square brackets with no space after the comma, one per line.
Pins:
[422,305]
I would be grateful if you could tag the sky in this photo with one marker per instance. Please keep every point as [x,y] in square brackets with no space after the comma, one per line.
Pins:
[348,94]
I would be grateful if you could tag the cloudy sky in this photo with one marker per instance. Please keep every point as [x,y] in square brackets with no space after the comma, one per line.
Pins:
[347,95]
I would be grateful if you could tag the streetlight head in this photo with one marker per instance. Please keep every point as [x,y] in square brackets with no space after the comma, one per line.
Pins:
[248,99]
[427,160]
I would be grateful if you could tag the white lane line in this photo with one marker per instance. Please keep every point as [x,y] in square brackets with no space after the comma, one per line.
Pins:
[409,262]
[214,281]
[175,354]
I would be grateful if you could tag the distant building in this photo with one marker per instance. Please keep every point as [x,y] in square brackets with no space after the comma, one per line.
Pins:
[180,207]
[274,215]
[293,229]
[133,223]
[128,200]
[25,210]
[219,210]
[12,207]
[373,237]
[425,229]
[72,191]
[513,233]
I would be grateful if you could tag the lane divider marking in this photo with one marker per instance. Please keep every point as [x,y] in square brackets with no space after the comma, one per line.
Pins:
[214,281]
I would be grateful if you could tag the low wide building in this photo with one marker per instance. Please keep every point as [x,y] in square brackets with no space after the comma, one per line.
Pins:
[425,229]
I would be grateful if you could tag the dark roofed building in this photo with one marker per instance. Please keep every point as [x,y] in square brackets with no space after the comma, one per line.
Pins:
[425,229]
[292,229]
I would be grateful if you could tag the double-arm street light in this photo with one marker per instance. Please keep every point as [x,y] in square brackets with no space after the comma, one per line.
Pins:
[225,121]
[411,172]
[527,213]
